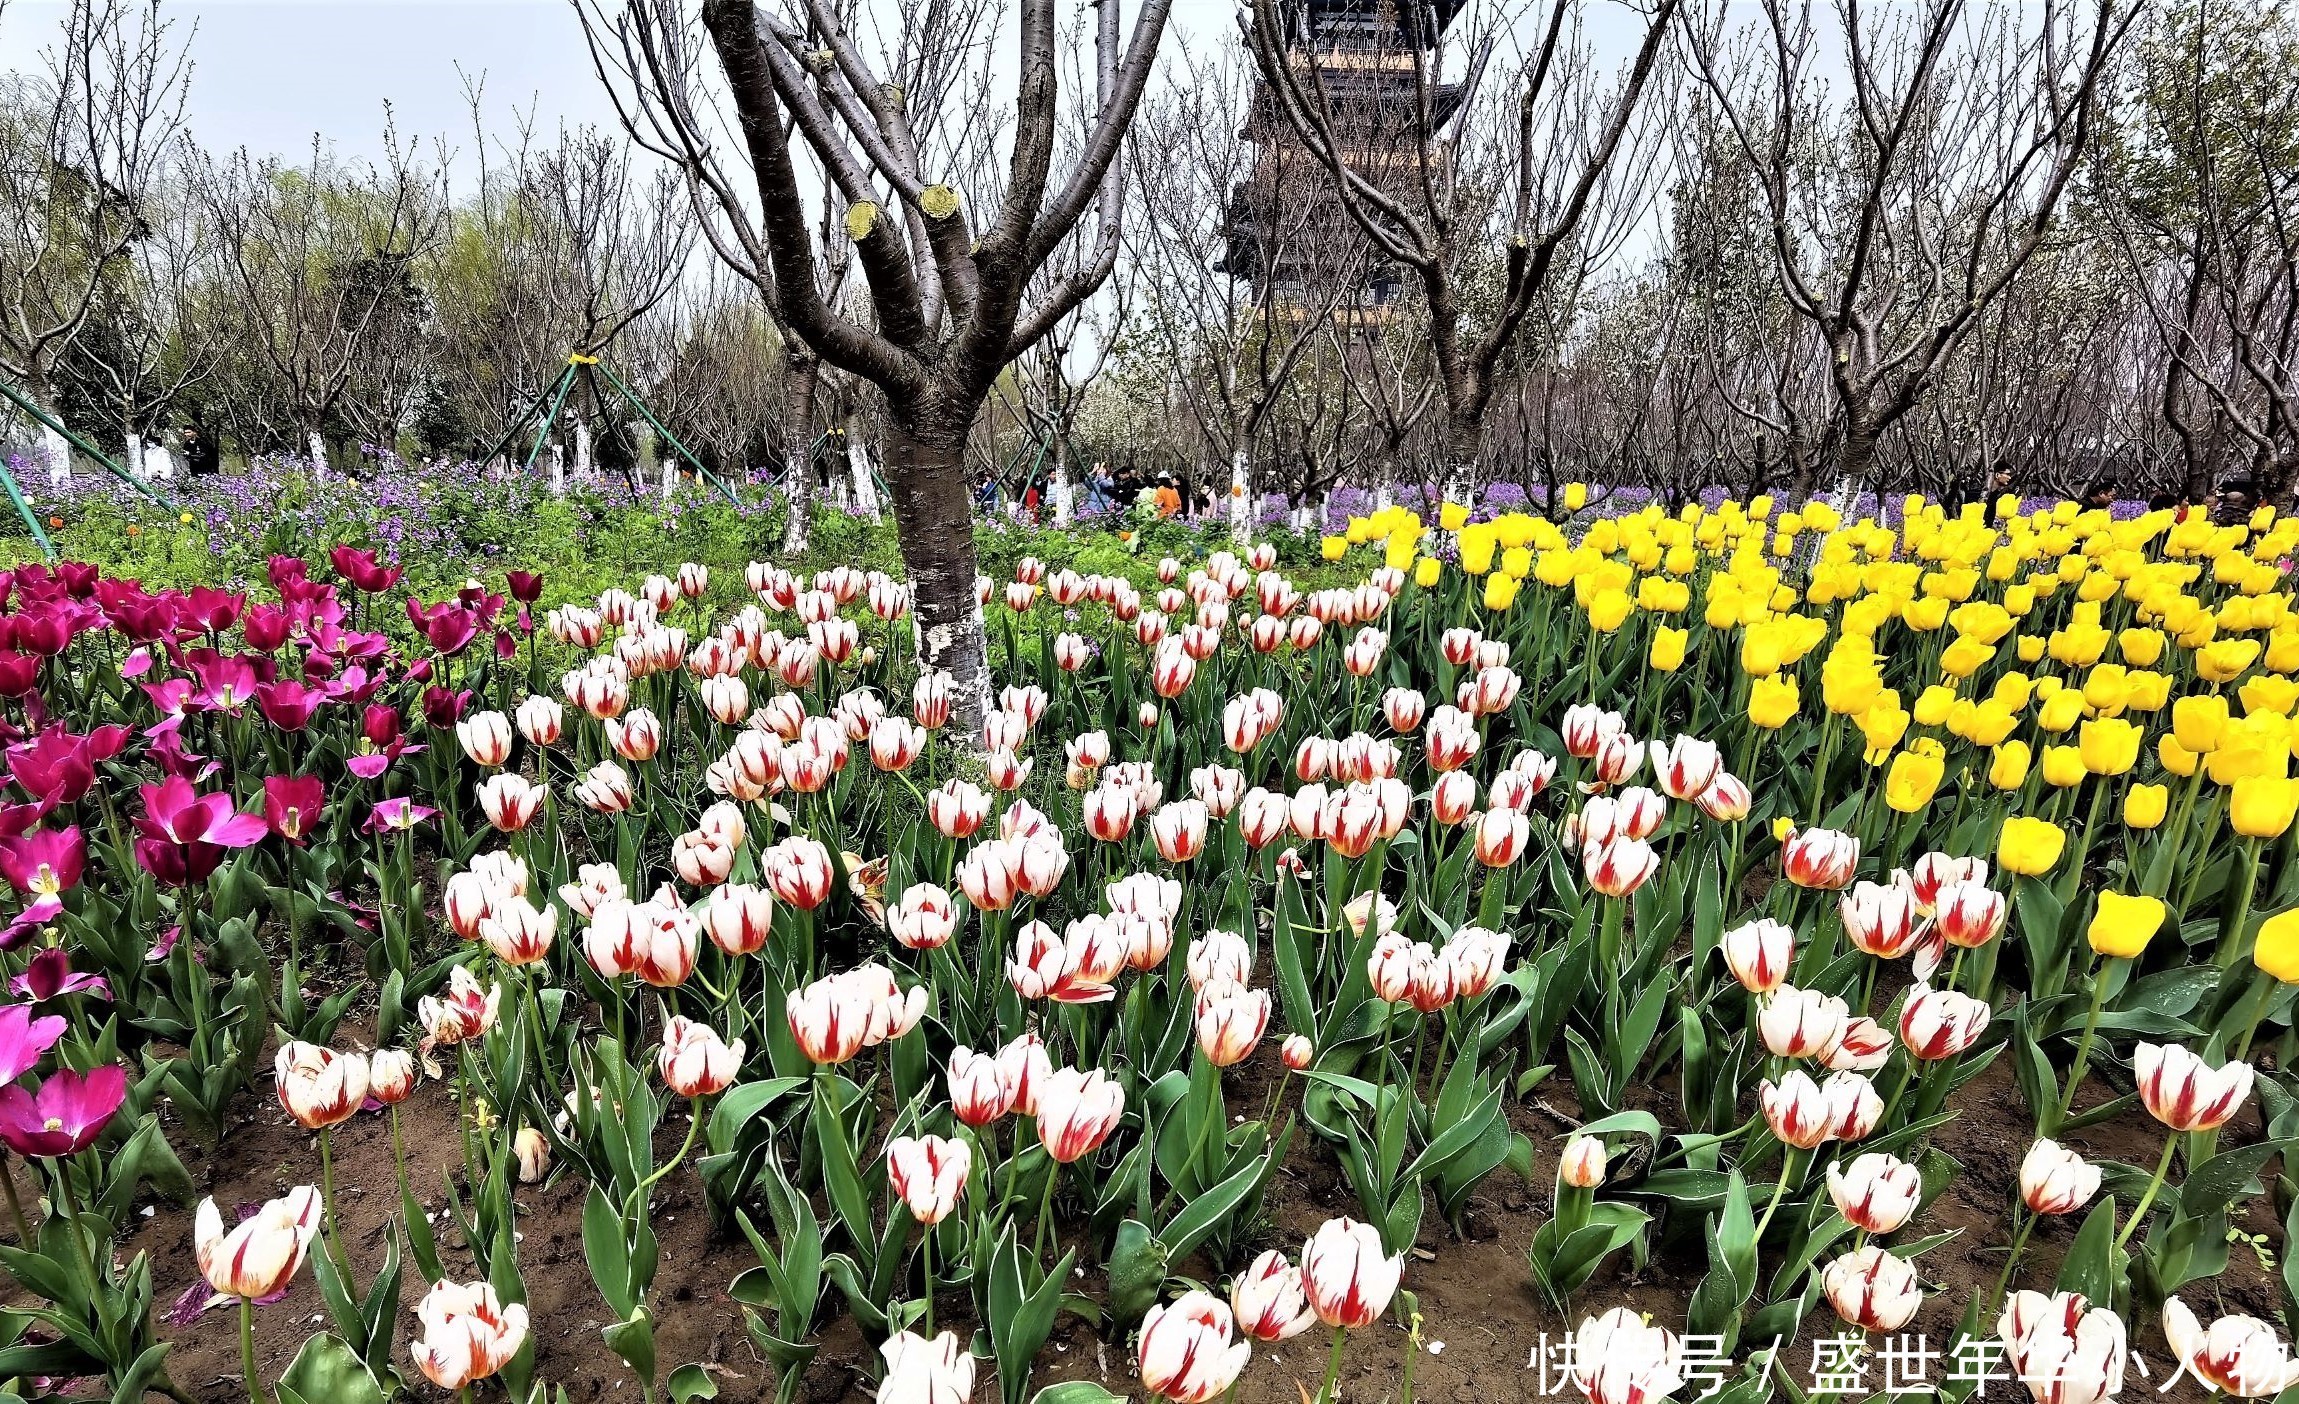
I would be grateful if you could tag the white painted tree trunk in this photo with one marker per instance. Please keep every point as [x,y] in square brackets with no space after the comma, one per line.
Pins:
[57,450]
[1382,499]
[559,471]
[159,464]
[865,492]
[797,484]
[582,452]
[1062,494]
[670,478]
[1240,501]
[316,444]
[132,454]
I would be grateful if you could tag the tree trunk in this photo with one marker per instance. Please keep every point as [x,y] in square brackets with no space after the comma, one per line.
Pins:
[316,444]
[582,451]
[934,519]
[56,451]
[558,457]
[800,377]
[858,466]
[1240,499]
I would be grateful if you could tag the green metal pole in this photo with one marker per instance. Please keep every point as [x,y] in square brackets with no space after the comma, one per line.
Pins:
[526,416]
[24,403]
[683,452]
[566,383]
[24,510]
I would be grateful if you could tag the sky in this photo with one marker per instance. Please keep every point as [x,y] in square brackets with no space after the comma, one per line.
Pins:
[268,75]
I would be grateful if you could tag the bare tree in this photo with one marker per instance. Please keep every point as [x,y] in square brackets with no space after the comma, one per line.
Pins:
[1897,216]
[1408,180]
[952,303]
[320,259]
[83,143]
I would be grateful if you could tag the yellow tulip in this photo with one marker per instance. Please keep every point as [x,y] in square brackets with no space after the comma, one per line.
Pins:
[1452,516]
[2140,647]
[1965,657]
[2031,648]
[2226,660]
[1667,652]
[1576,496]
[1427,572]
[1912,781]
[2061,711]
[1334,547]
[2009,768]
[1772,701]
[1609,610]
[2199,722]
[2122,926]
[2030,846]
[2109,746]
[1991,721]
[1500,591]
[1477,543]
[2176,758]
[2063,766]
[2277,951]
[2262,806]
[2144,805]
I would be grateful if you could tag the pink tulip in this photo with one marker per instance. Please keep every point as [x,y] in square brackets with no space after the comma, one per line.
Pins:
[65,1116]
[24,1040]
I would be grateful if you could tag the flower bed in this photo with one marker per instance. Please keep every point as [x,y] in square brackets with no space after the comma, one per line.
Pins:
[1663,960]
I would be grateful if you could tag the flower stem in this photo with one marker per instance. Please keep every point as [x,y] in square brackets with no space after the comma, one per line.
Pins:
[1787,1170]
[2147,1200]
[15,1205]
[2012,1263]
[327,1201]
[2082,1052]
[1332,1366]
[247,1350]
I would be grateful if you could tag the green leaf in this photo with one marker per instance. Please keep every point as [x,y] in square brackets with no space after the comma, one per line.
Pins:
[327,1371]
[689,1382]
[2090,1266]
[1137,1268]
[634,1341]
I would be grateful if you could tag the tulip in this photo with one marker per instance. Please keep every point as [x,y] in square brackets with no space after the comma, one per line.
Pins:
[2030,846]
[257,1258]
[977,1095]
[517,932]
[1796,1023]
[1620,867]
[2239,1354]
[1687,767]
[541,720]
[694,1062]
[1618,1358]
[1024,1067]
[2063,1353]
[2179,1091]
[1819,858]
[1077,1111]
[391,1075]
[318,1086]
[2055,1180]
[829,1018]
[2262,806]
[1297,1052]
[919,1371]
[1879,920]
[1476,959]
[1876,1193]
[1347,1275]
[923,918]
[928,1173]
[2122,926]
[510,801]
[466,1333]
[738,918]
[1583,1163]
[635,736]
[1230,1020]
[532,1151]
[1937,1024]
[1185,1354]
[1179,830]
[1864,1047]
[485,738]
[1757,953]
[464,1012]
[1796,1110]
[1969,914]
[1269,1299]
[1872,1289]
[799,870]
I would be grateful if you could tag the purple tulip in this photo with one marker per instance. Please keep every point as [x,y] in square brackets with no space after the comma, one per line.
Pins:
[23,1039]
[65,1116]
[397,815]
[51,976]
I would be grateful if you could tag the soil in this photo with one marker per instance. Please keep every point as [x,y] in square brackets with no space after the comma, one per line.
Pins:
[1483,1320]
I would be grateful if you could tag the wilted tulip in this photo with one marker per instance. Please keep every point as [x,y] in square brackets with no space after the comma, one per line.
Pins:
[532,1150]
[319,1086]
[259,1256]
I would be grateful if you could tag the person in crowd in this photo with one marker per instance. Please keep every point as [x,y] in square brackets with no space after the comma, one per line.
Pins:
[2237,497]
[2100,495]
[986,495]
[200,457]
[1168,497]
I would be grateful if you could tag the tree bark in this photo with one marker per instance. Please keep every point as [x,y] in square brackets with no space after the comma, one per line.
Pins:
[316,443]
[800,375]
[934,519]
